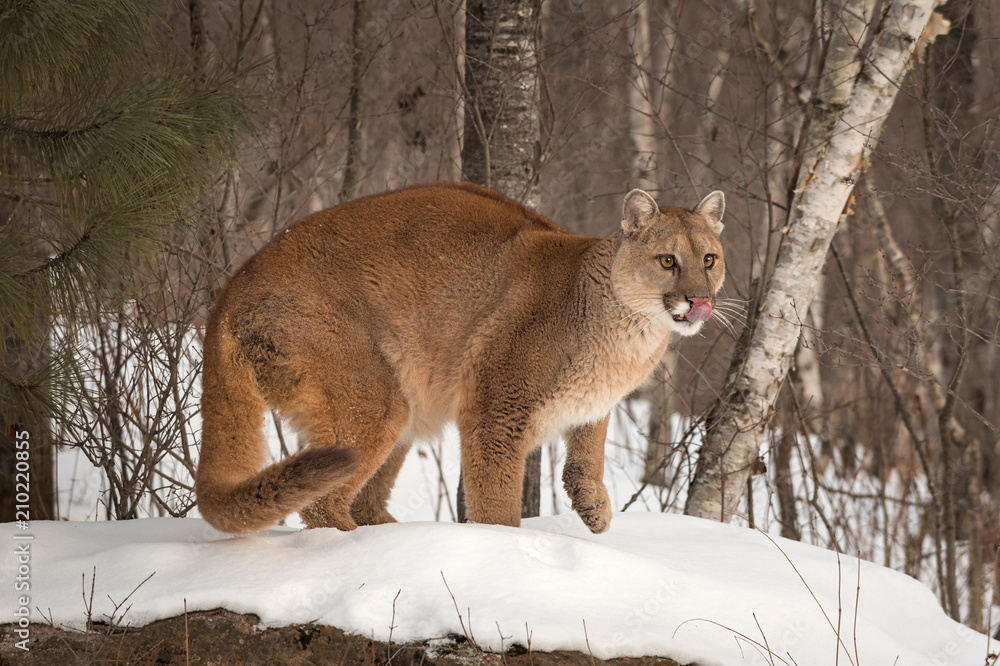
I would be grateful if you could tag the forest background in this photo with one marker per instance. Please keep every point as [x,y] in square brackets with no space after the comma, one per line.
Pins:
[883,440]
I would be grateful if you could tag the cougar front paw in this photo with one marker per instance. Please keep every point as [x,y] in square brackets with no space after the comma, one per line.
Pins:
[591,502]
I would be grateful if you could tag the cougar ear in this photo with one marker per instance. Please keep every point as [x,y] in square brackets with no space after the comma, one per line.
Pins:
[637,211]
[711,208]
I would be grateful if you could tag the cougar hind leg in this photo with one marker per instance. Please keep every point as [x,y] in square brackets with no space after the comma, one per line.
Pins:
[357,405]
[237,490]
[369,506]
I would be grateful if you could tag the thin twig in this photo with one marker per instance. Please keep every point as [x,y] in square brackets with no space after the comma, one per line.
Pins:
[392,625]
[918,441]
[809,589]
[735,633]
[114,612]
[187,641]
[89,605]
[587,638]
[857,604]
[840,610]
[770,655]
[461,621]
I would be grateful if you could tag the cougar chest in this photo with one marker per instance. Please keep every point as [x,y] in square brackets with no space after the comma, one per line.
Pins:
[594,383]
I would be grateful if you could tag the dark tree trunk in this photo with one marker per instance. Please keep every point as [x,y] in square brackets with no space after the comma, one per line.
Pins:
[951,85]
[359,39]
[460,513]
[41,486]
[787,510]
[22,356]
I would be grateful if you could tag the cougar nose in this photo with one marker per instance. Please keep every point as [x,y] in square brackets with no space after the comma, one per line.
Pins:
[700,310]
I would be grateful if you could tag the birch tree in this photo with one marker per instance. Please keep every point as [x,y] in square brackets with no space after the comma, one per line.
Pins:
[501,139]
[738,422]
[849,23]
[500,148]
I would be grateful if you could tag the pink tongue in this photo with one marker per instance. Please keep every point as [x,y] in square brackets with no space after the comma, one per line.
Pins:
[699,312]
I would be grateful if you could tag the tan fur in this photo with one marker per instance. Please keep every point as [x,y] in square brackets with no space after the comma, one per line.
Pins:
[374,323]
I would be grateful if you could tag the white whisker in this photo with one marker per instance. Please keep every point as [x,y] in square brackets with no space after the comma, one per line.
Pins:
[729,308]
[642,330]
[736,315]
[736,306]
[731,315]
[724,320]
[642,312]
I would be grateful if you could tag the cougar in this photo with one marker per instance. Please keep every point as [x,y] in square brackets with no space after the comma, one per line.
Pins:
[374,323]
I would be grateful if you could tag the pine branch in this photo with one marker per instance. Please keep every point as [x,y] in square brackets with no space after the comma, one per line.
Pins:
[102,153]
[55,134]
[63,256]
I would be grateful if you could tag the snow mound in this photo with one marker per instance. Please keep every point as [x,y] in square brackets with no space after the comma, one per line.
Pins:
[655,584]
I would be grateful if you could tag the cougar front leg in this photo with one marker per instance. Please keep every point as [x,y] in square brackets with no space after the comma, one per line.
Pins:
[493,468]
[583,474]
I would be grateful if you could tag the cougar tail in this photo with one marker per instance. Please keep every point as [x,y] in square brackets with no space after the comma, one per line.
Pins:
[234,494]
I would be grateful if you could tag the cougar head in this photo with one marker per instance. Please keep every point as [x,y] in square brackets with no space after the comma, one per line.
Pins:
[670,264]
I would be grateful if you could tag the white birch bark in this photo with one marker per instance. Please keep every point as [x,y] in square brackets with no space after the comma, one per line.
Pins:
[501,141]
[737,428]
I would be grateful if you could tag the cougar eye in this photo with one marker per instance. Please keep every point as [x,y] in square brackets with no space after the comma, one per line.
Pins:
[667,260]
[709,260]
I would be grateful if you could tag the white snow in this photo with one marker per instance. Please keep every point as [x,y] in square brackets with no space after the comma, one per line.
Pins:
[655,584]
